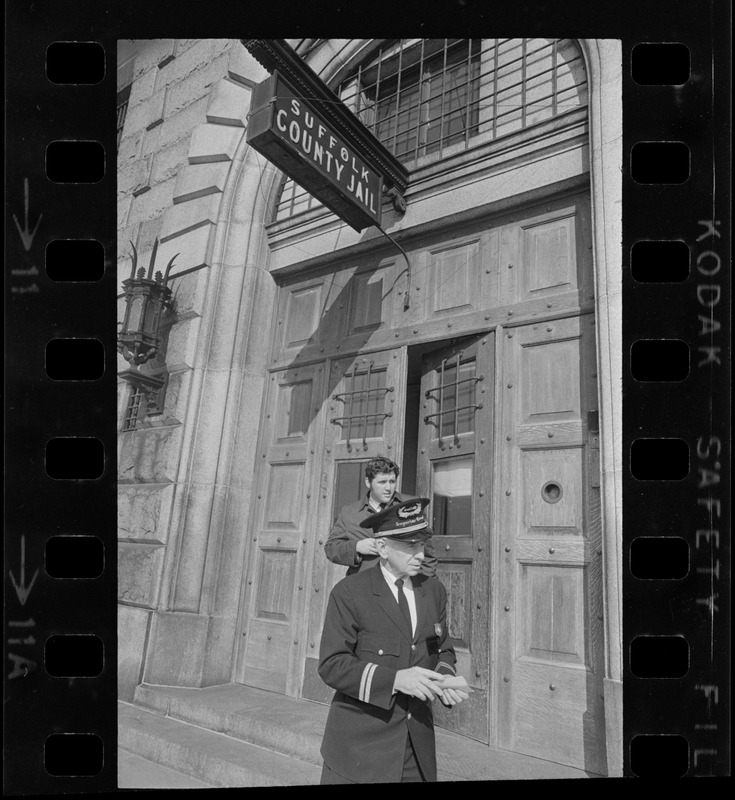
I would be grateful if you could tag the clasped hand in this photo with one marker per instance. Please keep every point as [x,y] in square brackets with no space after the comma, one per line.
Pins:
[420,682]
[367,547]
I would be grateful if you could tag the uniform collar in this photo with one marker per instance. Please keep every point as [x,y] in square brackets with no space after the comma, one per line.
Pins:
[391,579]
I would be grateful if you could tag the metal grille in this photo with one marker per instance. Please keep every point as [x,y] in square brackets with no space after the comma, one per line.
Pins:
[293,200]
[418,96]
[123,96]
[454,399]
[132,412]
[364,404]
[426,98]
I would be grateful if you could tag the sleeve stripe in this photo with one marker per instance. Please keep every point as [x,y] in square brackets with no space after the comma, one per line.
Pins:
[369,682]
[447,666]
[366,681]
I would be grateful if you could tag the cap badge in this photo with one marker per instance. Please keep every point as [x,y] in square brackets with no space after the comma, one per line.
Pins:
[409,511]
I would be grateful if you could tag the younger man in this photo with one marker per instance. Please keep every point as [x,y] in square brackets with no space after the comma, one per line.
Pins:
[349,543]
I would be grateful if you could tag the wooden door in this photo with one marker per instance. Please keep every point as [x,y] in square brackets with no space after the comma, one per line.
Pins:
[364,419]
[454,470]
[549,606]
[282,532]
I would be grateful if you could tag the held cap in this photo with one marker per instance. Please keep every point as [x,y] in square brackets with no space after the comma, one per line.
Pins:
[402,522]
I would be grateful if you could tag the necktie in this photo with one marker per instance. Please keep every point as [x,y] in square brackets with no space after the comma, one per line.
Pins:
[403,605]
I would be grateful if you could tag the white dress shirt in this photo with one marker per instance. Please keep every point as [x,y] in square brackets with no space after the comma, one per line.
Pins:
[390,579]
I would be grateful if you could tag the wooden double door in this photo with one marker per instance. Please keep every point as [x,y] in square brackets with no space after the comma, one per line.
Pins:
[500,431]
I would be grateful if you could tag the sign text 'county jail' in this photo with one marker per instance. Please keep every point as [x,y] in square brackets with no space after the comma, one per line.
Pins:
[291,133]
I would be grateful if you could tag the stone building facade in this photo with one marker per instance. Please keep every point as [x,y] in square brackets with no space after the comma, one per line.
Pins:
[292,355]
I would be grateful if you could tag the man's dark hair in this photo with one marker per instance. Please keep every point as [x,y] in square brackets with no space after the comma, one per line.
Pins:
[381,465]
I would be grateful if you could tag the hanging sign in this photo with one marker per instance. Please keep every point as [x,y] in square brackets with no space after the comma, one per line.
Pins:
[291,133]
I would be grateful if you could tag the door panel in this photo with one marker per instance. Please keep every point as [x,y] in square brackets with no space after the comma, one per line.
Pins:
[454,470]
[549,611]
[364,420]
[282,530]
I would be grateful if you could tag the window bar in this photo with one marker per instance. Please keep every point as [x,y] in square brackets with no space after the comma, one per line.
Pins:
[421,102]
[358,91]
[441,119]
[131,413]
[464,380]
[523,83]
[349,410]
[383,414]
[456,402]
[469,93]
[474,406]
[374,126]
[398,97]
[553,79]
[137,403]
[294,196]
[367,407]
[292,200]
[384,389]
[495,88]
[441,402]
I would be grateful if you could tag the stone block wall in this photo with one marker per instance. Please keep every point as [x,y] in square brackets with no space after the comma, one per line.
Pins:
[186,118]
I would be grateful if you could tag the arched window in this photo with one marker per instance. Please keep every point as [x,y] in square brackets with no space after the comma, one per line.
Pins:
[426,99]
[418,95]
[424,96]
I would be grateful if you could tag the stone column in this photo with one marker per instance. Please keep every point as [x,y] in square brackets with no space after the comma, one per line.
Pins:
[604,75]
[185,476]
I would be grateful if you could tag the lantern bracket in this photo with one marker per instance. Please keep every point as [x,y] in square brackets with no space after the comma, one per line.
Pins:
[146,300]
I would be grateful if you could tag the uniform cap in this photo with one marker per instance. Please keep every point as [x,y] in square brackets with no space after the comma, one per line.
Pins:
[404,521]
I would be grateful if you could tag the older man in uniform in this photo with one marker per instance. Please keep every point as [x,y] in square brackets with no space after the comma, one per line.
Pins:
[348,542]
[386,651]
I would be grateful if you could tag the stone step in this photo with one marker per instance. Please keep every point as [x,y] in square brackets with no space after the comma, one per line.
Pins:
[293,728]
[267,719]
[136,772]
[208,756]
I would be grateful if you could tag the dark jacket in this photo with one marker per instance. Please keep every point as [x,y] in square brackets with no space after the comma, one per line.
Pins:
[365,641]
[341,543]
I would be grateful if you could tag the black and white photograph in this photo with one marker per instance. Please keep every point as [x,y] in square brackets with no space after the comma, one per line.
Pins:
[369,328]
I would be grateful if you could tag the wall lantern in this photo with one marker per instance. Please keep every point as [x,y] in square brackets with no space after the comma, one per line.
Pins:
[146,301]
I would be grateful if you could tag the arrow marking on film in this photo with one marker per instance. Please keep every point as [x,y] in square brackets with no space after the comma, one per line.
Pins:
[26,234]
[21,590]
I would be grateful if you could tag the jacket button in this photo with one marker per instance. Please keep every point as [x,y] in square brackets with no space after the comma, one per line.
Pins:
[413,647]
[380,652]
[409,715]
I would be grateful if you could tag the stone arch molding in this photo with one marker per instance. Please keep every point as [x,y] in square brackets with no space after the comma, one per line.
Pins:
[220,199]
[223,297]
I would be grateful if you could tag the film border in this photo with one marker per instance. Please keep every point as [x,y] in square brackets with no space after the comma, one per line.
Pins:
[37,410]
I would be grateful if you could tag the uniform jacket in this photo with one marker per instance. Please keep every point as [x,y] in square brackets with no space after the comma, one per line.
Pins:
[365,641]
[341,543]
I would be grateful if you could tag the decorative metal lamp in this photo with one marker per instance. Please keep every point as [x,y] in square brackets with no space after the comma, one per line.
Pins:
[146,299]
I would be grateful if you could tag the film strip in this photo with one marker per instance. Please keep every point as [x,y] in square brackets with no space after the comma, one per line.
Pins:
[62,422]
